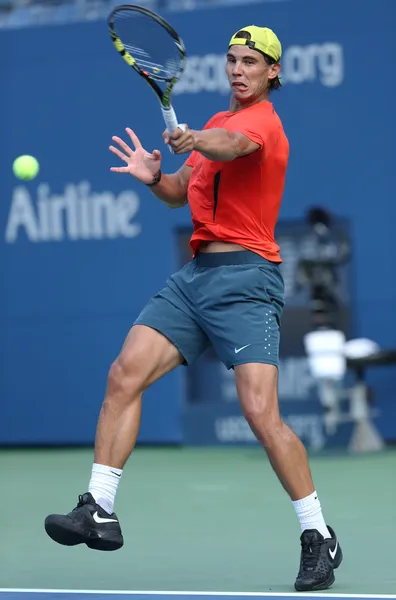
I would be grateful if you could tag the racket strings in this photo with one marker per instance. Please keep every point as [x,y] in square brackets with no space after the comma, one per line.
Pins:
[149,43]
[141,56]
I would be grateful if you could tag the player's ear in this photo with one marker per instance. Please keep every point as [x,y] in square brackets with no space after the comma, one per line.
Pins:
[274,70]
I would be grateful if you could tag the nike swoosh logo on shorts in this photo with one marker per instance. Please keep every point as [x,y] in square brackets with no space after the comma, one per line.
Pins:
[333,552]
[98,519]
[237,350]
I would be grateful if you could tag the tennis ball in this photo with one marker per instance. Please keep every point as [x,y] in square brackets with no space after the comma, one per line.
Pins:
[25,167]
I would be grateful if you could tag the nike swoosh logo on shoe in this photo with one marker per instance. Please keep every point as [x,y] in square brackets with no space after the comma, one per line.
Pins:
[333,552]
[98,519]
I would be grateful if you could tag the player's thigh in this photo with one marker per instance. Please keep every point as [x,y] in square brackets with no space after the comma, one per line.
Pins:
[257,388]
[171,313]
[145,357]
[153,348]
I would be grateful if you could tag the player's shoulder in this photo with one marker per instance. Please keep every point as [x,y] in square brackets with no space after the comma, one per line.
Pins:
[257,115]
[216,119]
[262,110]
[268,116]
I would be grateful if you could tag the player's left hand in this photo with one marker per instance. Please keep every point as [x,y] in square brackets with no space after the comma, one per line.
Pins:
[180,141]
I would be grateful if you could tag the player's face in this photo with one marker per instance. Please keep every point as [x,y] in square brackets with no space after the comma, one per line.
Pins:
[248,74]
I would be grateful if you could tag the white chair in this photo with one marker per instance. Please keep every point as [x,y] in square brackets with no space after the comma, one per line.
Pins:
[328,354]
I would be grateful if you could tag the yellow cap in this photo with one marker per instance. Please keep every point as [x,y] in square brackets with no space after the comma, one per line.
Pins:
[262,39]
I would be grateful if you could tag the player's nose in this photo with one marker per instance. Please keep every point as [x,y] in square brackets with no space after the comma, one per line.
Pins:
[237,68]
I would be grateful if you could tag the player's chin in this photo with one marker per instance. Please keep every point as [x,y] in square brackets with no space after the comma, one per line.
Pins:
[240,92]
[244,98]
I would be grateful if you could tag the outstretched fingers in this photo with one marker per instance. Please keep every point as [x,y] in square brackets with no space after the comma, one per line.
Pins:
[134,138]
[119,169]
[118,153]
[123,145]
[125,152]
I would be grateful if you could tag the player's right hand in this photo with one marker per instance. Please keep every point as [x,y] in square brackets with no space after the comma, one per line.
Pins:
[139,163]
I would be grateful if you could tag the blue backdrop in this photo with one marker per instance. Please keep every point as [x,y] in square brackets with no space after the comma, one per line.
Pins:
[82,249]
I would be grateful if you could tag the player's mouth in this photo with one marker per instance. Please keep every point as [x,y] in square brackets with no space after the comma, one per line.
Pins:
[237,85]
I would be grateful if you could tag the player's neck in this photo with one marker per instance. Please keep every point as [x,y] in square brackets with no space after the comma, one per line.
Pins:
[236,106]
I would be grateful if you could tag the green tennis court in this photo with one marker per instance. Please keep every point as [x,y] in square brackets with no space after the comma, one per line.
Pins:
[197,519]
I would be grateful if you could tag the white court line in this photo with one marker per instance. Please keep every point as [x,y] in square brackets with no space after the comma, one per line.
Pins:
[189,593]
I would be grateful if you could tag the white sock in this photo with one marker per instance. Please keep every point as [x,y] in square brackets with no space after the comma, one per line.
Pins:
[309,513]
[103,485]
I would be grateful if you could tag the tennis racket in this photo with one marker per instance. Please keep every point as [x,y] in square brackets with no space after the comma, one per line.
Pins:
[152,47]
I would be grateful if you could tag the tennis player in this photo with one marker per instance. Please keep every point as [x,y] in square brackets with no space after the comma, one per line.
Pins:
[229,296]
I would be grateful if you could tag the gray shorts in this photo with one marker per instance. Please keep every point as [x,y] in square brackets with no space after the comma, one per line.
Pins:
[232,301]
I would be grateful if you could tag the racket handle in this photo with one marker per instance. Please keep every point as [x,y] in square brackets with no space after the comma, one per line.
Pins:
[171,121]
[170,118]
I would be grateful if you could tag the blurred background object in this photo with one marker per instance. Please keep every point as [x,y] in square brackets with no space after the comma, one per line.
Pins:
[28,13]
[322,253]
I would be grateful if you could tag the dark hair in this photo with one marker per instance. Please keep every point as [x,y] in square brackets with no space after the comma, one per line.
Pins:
[275,83]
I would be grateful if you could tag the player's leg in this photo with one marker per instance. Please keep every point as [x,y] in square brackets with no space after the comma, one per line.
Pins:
[164,336]
[146,356]
[242,321]
[257,385]
[321,554]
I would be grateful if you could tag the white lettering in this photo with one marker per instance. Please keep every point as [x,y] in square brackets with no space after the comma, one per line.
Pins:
[22,216]
[323,63]
[236,429]
[233,429]
[104,223]
[85,214]
[296,63]
[331,65]
[295,379]
[72,212]
[57,206]
[44,215]
[127,207]
[77,214]
[309,428]
[204,74]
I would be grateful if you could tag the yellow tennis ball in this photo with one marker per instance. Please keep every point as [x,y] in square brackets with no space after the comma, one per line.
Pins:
[25,167]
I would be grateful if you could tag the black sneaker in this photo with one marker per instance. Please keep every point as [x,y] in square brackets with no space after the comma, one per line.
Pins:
[87,524]
[319,558]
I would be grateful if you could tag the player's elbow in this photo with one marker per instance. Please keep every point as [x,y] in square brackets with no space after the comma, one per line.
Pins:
[177,204]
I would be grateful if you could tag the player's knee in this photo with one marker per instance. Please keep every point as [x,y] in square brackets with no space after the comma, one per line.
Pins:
[125,380]
[262,413]
[259,407]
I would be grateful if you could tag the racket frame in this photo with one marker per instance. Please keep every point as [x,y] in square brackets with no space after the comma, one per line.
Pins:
[164,96]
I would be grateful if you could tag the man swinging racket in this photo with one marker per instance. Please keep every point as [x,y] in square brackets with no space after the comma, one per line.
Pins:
[229,296]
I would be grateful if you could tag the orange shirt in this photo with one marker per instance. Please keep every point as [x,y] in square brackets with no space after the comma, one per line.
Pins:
[238,201]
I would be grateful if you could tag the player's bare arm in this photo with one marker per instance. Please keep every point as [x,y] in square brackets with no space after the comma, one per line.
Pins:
[172,189]
[215,144]
[145,167]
